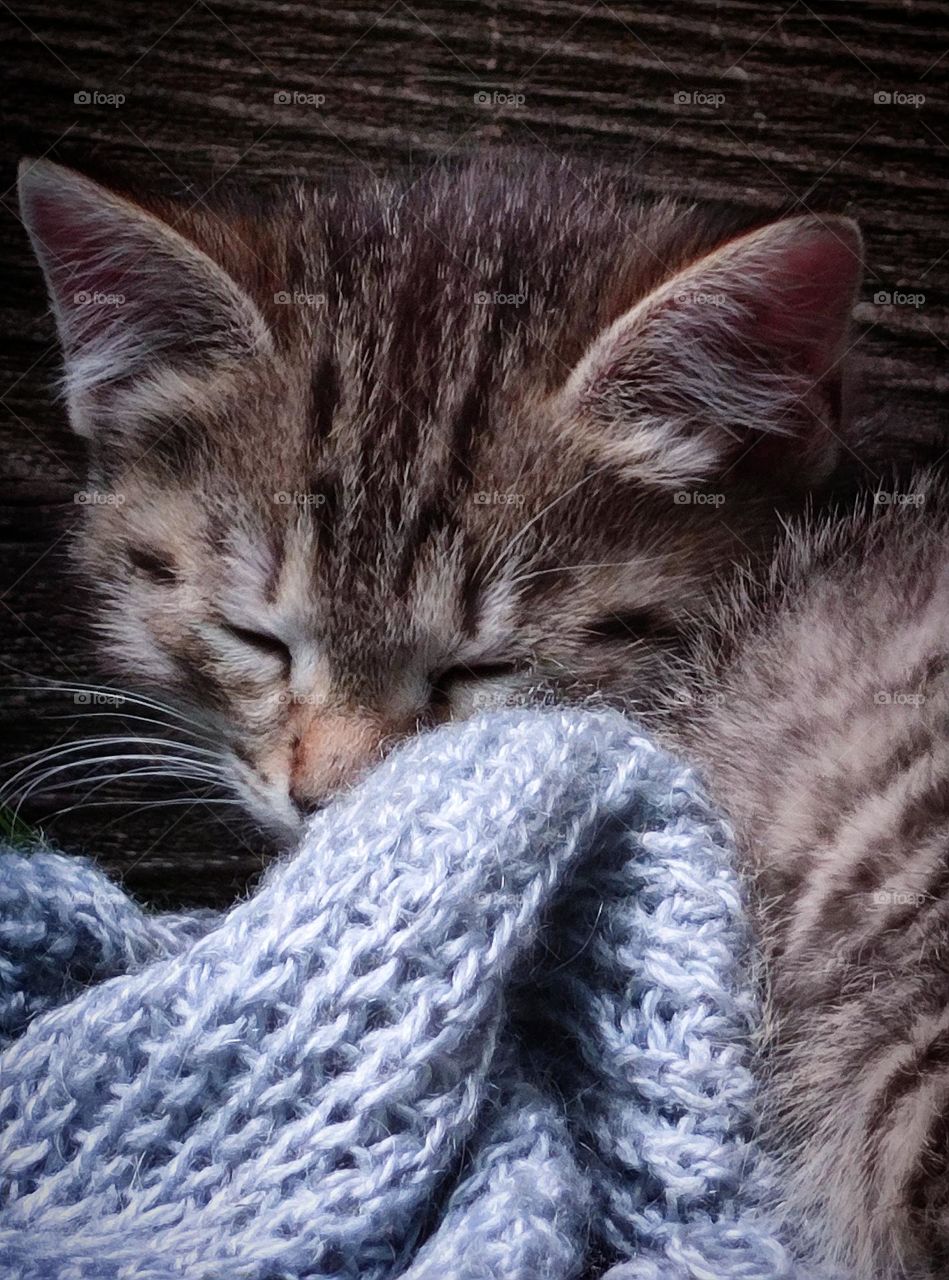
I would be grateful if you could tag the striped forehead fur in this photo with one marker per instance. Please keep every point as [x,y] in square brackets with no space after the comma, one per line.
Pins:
[396,483]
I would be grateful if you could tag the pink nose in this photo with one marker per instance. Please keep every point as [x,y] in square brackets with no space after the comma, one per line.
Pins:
[332,751]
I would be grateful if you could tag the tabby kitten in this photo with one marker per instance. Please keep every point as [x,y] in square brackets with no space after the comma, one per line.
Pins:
[396,452]
[391,452]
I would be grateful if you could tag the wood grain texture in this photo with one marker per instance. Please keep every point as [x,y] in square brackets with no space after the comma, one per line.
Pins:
[774,106]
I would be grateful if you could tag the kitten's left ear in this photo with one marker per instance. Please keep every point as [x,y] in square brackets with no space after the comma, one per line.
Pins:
[130,294]
[737,357]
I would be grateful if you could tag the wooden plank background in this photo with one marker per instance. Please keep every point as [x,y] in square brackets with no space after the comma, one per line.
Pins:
[775,106]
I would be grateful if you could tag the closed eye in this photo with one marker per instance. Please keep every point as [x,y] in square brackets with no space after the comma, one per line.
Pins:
[478,671]
[260,641]
[631,624]
[151,565]
[442,683]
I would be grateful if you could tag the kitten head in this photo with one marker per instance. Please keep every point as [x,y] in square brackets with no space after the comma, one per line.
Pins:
[382,455]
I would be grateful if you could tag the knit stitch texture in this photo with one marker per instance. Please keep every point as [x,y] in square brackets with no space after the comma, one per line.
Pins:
[490,1022]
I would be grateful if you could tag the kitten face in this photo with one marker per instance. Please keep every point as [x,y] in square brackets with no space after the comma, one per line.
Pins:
[498,446]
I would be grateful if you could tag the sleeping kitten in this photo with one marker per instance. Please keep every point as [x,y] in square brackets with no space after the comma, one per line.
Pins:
[395,453]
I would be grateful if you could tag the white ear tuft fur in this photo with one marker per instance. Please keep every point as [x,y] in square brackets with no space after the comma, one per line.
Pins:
[129,292]
[745,343]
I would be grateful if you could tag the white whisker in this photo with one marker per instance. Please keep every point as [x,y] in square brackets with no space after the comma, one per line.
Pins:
[142,808]
[571,568]
[108,691]
[561,497]
[36,760]
[126,716]
[179,767]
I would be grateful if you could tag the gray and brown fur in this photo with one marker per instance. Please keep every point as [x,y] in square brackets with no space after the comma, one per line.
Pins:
[450,500]
[821,709]
[482,407]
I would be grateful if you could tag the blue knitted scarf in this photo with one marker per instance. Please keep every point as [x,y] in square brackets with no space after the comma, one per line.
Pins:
[490,1022]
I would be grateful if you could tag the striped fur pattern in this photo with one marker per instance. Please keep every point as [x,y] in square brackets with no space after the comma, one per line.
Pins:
[823,700]
[390,453]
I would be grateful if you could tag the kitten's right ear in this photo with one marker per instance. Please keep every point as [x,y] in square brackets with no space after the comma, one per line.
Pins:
[130,294]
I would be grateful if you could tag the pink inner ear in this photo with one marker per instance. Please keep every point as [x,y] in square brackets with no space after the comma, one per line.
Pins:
[802,307]
[92,283]
[128,289]
[77,242]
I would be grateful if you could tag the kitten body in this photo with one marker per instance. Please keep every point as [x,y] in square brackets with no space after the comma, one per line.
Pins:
[820,713]
[399,452]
